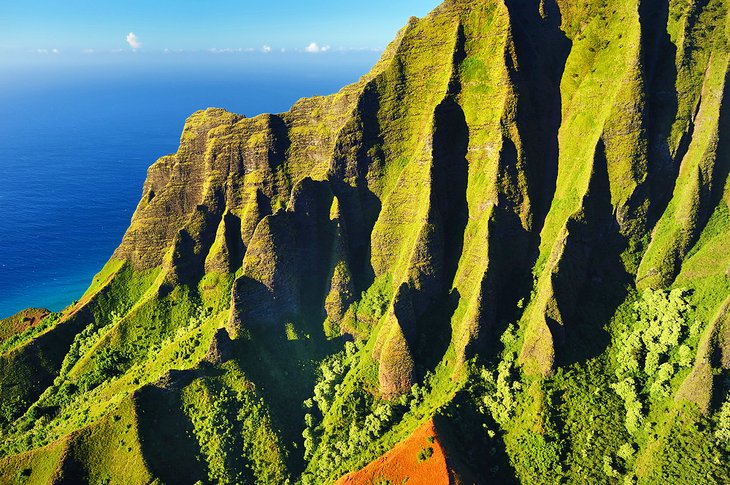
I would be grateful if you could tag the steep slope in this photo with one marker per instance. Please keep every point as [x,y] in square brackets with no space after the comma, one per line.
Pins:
[516,222]
[420,459]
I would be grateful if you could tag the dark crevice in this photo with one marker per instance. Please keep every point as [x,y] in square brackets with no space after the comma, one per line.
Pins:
[449,181]
[449,214]
[310,246]
[233,241]
[458,57]
[278,149]
[591,281]
[508,277]
[348,174]
[192,245]
[71,471]
[660,76]
[542,50]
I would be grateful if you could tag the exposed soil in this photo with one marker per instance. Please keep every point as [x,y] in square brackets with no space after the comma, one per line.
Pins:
[419,459]
[21,321]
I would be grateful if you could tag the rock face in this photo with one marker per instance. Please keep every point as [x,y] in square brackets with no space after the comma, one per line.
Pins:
[464,163]
[523,162]
[220,349]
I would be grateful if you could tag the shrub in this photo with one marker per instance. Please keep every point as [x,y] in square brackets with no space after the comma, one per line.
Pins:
[651,349]
[722,430]
[425,453]
[502,385]
[542,456]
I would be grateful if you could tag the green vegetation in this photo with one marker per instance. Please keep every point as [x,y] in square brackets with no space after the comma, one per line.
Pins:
[722,433]
[425,453]
[659,344]
[233,430]
[515,225]
[26,335]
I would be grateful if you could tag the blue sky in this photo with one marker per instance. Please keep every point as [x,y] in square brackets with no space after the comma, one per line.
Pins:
[53,27]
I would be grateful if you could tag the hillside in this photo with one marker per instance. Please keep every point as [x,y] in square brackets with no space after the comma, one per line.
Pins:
[515,225]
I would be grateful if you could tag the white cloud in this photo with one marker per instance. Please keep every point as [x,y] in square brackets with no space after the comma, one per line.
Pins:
[55,51]
[133,41]
[228,50]
[42,51]
[88,51]
[314,48]
[266,49]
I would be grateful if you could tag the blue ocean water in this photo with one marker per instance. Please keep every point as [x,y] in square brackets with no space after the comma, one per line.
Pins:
[76,141]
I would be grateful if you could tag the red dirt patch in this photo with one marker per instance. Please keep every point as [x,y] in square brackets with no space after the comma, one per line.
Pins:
[21,321]
[410,461]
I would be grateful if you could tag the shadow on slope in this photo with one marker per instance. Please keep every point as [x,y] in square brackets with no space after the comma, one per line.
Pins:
[166,433]
[449,179]
[592,281]
[542,50]
[283,363]
[660,72]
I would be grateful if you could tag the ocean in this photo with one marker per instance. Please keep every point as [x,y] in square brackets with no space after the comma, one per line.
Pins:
[76,139]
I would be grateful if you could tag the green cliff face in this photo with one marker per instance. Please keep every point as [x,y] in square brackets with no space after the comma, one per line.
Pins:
[518,222]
